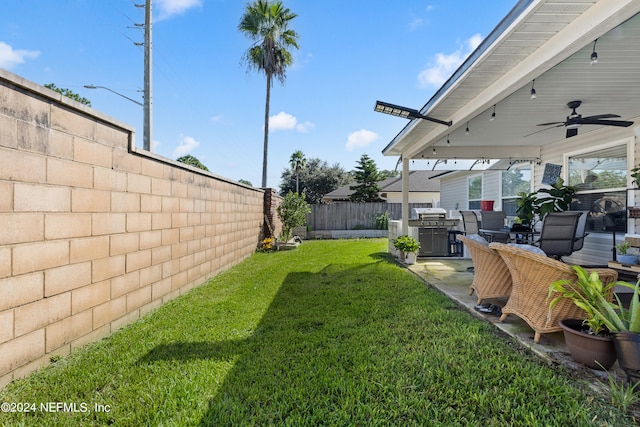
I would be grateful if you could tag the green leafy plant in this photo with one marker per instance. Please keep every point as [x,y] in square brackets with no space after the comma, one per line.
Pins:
[526,209]
[585,293]
[617,318]
[406,244]
[555,199]
[623,247]
[534,206]
[381,221]
[623,394]
[292,212]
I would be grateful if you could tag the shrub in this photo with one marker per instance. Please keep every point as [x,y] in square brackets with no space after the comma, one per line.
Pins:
[293,213]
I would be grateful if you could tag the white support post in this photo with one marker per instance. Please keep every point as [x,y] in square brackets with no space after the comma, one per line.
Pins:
[405,196]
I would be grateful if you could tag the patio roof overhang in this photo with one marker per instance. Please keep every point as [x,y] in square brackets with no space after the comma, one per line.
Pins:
[549,41]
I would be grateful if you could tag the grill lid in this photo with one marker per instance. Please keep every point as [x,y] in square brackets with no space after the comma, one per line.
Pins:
[420,213]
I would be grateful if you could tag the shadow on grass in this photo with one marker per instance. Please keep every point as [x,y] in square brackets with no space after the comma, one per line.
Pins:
[315,332]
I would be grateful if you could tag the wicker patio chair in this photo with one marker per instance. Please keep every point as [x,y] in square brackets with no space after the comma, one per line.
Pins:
[492,278]
[531,276]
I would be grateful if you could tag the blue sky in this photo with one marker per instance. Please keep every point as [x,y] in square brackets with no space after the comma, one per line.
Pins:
[207,104]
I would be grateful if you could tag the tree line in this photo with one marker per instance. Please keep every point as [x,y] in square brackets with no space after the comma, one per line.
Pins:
[315,178]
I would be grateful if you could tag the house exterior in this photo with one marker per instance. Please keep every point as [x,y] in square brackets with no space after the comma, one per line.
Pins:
[543,47]
[424,187]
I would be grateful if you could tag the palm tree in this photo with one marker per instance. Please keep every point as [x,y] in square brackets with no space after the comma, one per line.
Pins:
[266,22]
[298,161]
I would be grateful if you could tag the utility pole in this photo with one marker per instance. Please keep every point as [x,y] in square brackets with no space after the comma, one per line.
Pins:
[148,117]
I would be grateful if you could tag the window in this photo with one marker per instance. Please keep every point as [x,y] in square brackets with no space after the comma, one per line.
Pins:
[515,181]
[475,191]
[600,178]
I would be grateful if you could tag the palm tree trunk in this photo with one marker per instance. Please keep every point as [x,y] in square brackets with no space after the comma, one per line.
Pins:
[266,132]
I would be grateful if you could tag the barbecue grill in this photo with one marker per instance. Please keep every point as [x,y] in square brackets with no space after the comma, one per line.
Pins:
[434,229]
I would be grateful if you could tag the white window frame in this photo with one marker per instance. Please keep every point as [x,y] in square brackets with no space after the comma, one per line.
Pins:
[630,146]
[531,179]
[630,158]
[469,178]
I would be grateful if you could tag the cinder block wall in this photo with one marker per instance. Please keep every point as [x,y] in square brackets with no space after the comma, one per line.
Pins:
[94,234]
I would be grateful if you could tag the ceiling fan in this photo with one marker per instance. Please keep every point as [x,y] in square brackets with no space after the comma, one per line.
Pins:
[575,120]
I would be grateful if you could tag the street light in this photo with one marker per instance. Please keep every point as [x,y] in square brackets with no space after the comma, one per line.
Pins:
[146,137]
[407,113]
[113,91]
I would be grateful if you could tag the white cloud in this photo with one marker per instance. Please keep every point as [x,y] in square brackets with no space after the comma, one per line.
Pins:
[282,121]
[285,121]
[360,138]
[305,127]
[438,73]
[10,57]
[168,8]
[186,145]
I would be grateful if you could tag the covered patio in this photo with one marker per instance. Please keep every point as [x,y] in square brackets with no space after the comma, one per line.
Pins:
[510,102]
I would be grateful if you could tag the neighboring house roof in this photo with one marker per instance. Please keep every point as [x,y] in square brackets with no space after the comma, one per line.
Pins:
[419,181]
[549,41]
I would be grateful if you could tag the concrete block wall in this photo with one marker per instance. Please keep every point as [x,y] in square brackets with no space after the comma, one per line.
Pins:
[94,233]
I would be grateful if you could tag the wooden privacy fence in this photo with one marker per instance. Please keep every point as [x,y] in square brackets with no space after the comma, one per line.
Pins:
[351,216]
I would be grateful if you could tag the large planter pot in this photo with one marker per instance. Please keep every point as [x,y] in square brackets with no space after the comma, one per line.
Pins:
[628,349]
[588,349]
[410,257]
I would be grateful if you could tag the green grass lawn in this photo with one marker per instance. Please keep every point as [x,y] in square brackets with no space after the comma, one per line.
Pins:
[334,333]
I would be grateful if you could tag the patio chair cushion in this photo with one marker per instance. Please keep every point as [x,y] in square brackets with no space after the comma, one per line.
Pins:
[478,238]
[530,248]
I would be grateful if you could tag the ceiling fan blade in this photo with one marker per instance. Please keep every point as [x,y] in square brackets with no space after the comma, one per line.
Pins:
[571,132]
[601,116]
[542,130]
[551,123]
[620,123]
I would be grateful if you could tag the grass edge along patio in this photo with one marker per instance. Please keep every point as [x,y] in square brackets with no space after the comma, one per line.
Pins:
[334,333]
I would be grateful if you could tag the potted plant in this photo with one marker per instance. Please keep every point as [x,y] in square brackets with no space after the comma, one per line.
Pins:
[526,210]
[588,340]
[408,246]
[623,256]
[555,199]
[624,324]
[532,207]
